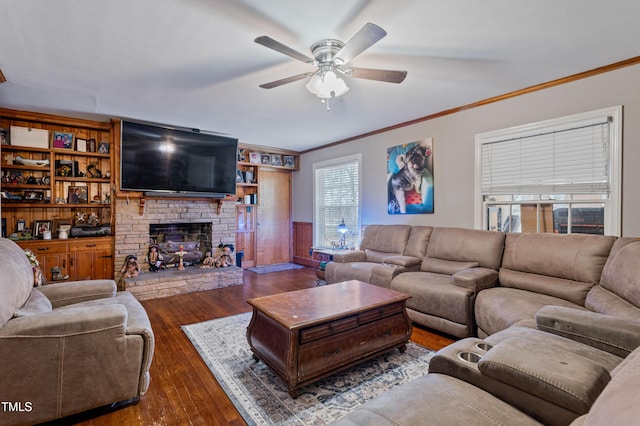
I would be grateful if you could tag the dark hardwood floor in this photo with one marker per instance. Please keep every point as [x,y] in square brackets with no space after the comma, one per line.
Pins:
[183,391]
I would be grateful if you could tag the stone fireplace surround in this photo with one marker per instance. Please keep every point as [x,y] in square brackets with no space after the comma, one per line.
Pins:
[132,226]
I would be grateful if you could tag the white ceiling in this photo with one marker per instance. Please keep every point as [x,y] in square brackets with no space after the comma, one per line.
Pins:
[193,63]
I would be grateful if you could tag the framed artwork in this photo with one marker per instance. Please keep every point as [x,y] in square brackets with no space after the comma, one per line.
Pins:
[78,195]
[103,147]
[31,196]
[4,136]
[62,140]
[81,145]
[239,178]
[40,227]
[276,160]
[21,225]
[61,224]
[91,145]
[289,161]
[265,159]
[410,178]
[254,158]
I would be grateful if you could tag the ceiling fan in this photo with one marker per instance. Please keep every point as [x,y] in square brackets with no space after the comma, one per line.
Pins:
[332,57]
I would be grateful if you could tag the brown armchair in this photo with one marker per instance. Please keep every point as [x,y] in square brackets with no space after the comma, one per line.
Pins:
[67,347]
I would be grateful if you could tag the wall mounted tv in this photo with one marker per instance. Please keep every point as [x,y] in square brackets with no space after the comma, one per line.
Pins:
[163,161]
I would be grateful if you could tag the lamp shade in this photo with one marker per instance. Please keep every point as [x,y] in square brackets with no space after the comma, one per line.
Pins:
[327,86]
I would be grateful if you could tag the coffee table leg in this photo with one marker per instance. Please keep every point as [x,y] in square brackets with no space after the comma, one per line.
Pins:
[294,393]
[255,358]
[402,348]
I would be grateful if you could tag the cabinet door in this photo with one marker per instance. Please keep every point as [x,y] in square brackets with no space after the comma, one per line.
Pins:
[48,261]
[91,260]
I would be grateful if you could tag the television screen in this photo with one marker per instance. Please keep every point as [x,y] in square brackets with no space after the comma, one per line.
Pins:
[166,160]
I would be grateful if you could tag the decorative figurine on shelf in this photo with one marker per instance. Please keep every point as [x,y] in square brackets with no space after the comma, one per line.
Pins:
[81,218]
[181,254]
[224,258]
[130,268]
[154,259]
[209,261]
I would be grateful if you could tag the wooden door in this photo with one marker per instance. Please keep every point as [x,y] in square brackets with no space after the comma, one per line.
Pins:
[273,230]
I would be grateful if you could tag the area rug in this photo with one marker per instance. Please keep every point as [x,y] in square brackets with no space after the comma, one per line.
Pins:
[276,267]
[262,398]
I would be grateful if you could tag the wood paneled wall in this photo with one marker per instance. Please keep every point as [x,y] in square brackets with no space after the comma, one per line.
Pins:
[302,243]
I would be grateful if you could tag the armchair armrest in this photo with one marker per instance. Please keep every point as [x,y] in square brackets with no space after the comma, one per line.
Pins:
[402,260]
[350,256]
[615,335]
[67,322]
[476,279]
[67,293]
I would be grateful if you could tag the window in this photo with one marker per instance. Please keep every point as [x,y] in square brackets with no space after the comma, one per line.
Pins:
[560,175]
[336,197]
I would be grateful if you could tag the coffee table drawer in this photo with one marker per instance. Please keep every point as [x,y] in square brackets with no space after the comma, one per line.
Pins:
[314,333]
[381,312]
[325,354]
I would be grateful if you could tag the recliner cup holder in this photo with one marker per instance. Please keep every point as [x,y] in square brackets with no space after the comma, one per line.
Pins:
[484,346]
[469,357]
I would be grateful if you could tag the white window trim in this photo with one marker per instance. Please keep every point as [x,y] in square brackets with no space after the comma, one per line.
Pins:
[337,162]
[613,209]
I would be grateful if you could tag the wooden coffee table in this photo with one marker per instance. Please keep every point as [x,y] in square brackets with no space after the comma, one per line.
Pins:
[310,334]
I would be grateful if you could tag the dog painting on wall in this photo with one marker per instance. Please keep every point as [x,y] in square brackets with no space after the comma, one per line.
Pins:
[410,178]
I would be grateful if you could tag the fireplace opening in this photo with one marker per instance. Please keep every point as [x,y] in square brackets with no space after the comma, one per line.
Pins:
[194,239]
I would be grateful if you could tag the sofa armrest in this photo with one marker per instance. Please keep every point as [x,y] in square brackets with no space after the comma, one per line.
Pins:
[402,260]
[476,279]
[557,376]
[612,334]
[68,293]
[67,322]
[350,256]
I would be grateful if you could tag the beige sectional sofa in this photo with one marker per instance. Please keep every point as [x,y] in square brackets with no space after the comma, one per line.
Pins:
[385,251]
[559,343]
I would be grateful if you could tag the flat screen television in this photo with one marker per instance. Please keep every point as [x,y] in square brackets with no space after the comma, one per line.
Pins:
[166,161]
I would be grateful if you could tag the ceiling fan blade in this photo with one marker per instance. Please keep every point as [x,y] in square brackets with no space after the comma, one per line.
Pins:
[2,78]
[389,76]
[279,47]
[368,35]
[287,80]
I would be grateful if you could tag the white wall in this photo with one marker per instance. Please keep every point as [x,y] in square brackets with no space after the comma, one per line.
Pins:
[453,150]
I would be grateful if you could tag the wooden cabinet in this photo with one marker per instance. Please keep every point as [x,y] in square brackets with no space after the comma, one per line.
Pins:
[80,259]
[254,165]
[47,185]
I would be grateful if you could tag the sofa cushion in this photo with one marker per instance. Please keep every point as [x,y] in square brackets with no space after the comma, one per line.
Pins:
[619,291]
[434,294]
[448,267]
[498,308]
[436,400]
[557,376]
[572,291]
[390,239]
[418,241]
[467,245]
[36,304]
[618,402]
[575,257]
[16,279]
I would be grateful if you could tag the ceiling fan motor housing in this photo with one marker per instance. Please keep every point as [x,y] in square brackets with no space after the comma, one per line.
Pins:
[324,50]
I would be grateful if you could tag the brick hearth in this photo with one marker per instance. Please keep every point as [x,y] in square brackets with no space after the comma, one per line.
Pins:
[150,285]
[132,237]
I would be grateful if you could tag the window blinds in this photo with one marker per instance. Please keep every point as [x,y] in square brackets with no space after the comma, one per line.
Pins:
[572,160]
[336,194]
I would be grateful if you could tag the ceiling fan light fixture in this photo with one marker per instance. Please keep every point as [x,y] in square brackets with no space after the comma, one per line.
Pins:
[327,86]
